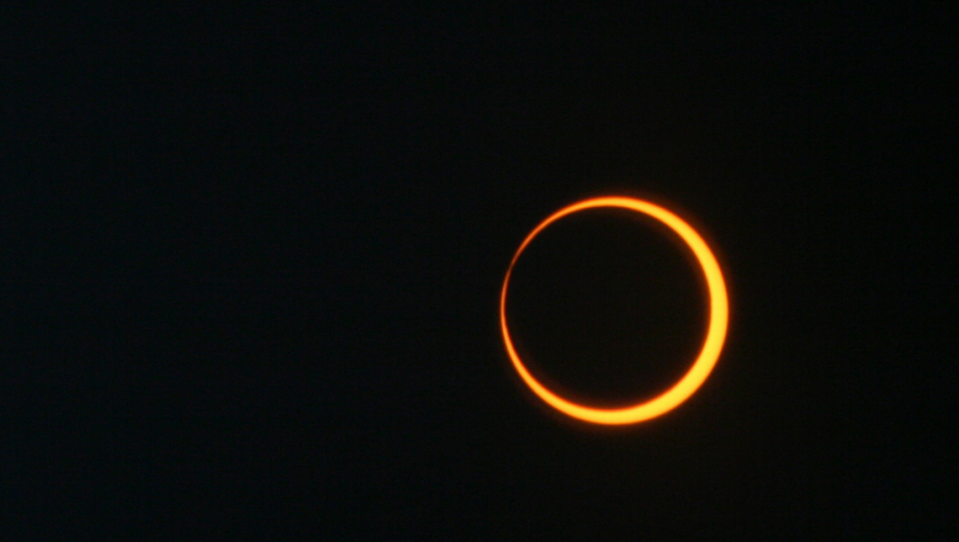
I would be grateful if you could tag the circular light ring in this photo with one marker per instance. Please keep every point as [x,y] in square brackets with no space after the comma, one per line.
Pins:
[718,321]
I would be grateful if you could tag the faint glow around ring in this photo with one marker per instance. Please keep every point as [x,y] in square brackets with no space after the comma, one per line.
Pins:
[712,346]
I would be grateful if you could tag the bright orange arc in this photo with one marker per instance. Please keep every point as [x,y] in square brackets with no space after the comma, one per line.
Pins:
[712,346]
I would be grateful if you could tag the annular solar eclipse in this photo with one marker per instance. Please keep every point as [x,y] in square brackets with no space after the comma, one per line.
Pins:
[708,355]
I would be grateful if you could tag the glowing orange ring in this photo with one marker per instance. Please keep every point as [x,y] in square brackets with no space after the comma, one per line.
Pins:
[718,322]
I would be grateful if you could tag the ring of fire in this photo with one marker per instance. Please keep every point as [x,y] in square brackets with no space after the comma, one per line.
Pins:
[712,346]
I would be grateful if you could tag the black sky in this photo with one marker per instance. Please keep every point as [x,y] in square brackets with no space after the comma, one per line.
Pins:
[251,262]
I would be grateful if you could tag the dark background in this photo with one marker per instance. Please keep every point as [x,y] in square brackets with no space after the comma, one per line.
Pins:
[250,261]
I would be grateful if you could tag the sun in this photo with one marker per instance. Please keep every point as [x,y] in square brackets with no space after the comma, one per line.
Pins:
[712,345]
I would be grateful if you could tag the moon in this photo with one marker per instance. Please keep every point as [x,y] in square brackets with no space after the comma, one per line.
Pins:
[712,345]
